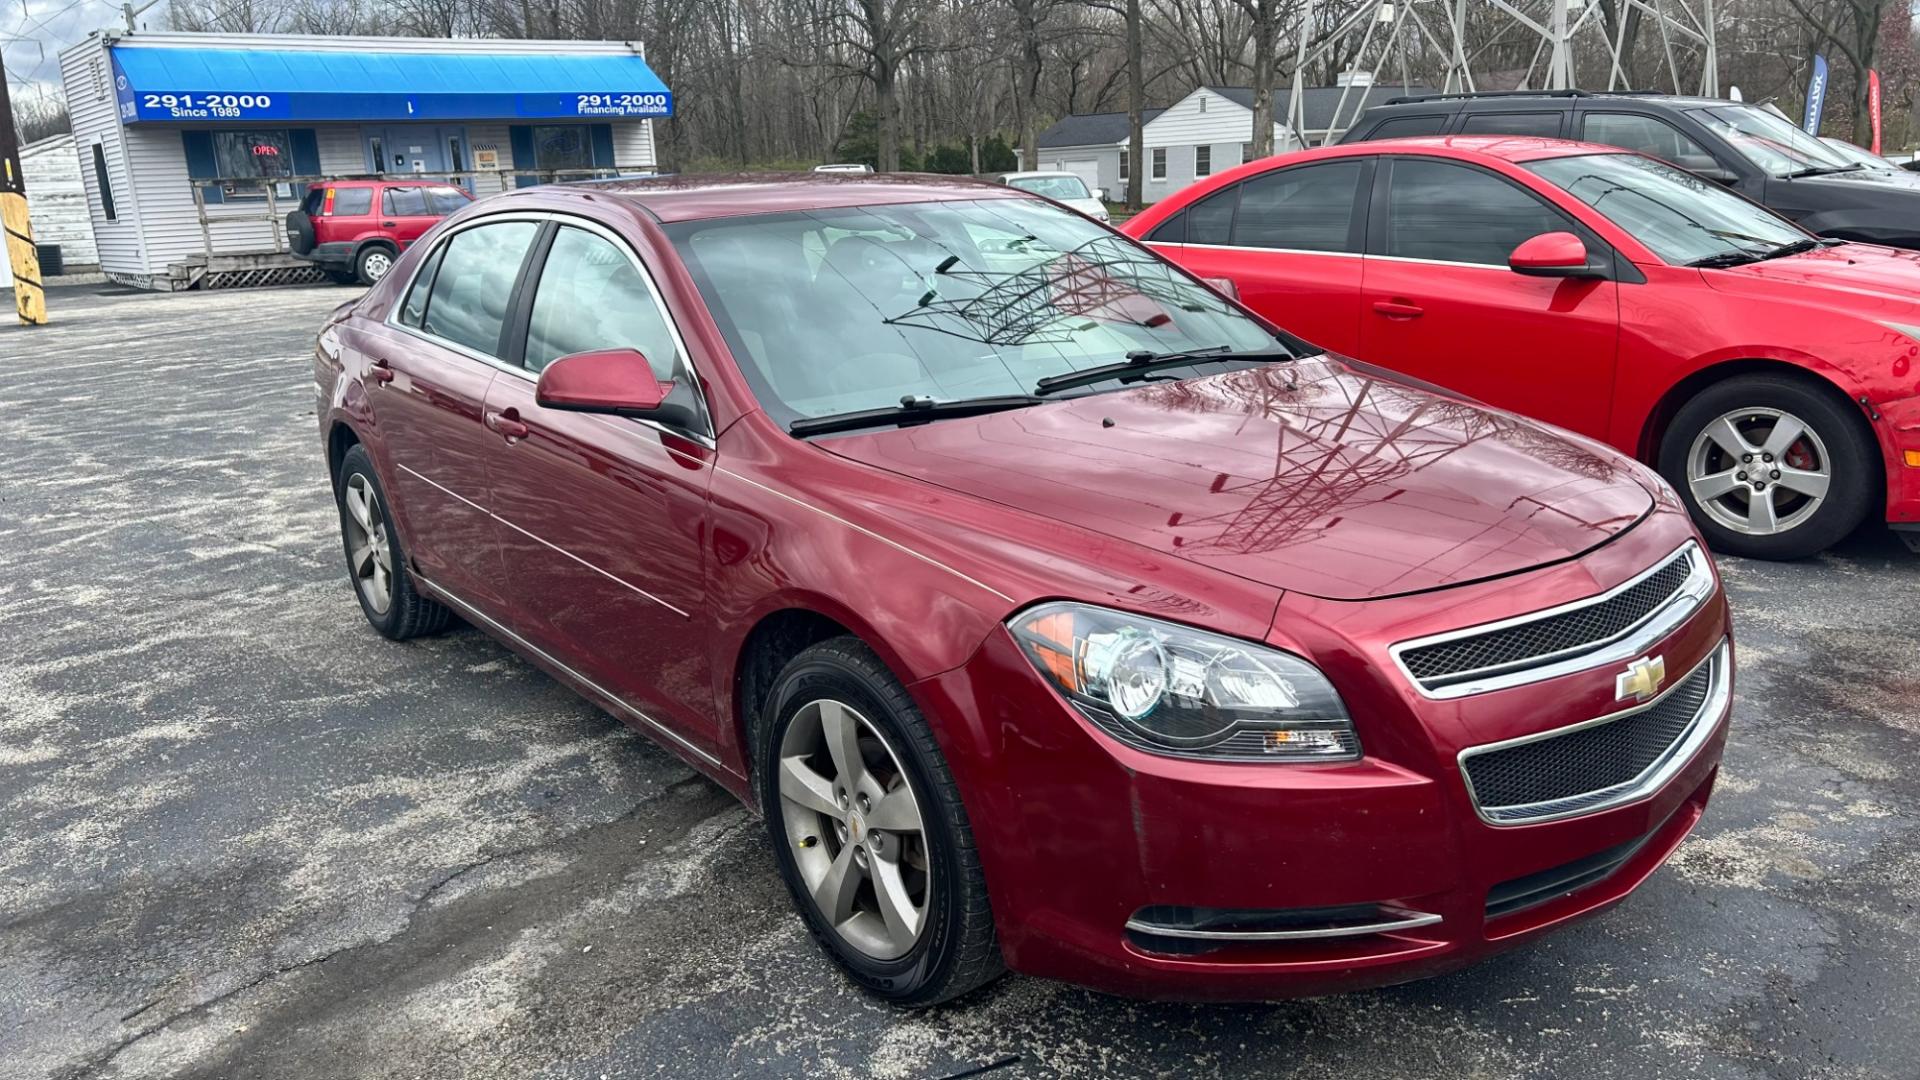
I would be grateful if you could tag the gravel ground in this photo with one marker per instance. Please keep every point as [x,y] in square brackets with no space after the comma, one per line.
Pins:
[241,836]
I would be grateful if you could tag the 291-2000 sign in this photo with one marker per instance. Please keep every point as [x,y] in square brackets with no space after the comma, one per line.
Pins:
[217,104]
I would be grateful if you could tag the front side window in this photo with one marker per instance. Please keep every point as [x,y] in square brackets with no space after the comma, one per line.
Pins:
[470,294]
[1452,213]
[1203,161]
[1770,142]
[1159,169]
[1053,187]
[444,200]
[836,310]
[591,296]
[1544,124]
[1407,126]
[1646,135]
[1305,209]
[1679,216]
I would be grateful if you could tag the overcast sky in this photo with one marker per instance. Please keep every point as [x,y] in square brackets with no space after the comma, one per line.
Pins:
[29,26]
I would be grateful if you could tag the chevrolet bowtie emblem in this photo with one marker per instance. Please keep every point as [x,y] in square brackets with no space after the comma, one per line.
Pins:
[1641,680]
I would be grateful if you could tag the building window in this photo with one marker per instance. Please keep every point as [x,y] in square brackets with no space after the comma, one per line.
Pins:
[1246,152]
[106,184]
[1126,158]
[1158,171]
[1202,161]
[244,160]
[561,146]
[1203,103]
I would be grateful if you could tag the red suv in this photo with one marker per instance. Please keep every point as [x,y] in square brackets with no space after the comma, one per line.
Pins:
[1765,371]
[355,229]
[1056,612]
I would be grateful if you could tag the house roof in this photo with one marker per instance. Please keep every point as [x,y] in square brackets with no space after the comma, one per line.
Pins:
[1319,102]
[1092,129]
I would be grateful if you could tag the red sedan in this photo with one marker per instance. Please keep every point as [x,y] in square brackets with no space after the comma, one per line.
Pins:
[1058,614]
[1767,373]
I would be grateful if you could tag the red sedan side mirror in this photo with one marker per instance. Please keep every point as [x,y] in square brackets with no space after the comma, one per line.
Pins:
[1554,254]
[615,381]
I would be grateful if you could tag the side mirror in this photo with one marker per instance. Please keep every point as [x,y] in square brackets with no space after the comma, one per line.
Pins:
[1100,194]
[1554,254]
[1705,166]
[618,382]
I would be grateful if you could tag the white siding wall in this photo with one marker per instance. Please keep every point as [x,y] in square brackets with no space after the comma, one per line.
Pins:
[57,200]
[633,145]
[1201,117]
[90,101]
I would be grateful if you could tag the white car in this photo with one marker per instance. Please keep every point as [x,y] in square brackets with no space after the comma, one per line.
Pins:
[1061,187]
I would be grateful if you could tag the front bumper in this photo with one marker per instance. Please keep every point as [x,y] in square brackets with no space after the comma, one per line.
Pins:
[1080,835]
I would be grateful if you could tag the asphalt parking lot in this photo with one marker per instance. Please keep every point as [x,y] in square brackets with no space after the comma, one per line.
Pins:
[242,836]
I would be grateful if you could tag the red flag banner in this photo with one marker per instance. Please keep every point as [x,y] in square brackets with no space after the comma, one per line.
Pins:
[1873,106]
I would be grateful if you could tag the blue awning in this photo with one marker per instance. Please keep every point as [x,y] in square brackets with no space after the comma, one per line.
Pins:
[219,85]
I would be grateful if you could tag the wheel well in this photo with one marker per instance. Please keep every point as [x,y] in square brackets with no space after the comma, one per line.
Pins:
[1683,391]
[770,646]
[340,440]
[376,242]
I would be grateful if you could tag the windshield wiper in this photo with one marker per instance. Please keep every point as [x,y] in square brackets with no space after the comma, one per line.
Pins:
[1140,363]
[1822,170]
[1725,259]
[1794,247]
[911,410]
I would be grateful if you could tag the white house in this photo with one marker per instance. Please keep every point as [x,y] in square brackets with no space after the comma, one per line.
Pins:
[195,147]
[1208,130]
[57,201]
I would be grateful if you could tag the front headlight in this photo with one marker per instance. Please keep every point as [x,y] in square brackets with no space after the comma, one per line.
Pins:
[1174,690]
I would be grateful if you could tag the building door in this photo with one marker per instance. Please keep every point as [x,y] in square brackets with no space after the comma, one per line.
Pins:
[416,148]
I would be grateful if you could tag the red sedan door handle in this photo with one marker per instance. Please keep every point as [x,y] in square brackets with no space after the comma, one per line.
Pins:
[507,424]
[380,371]
[1398,309]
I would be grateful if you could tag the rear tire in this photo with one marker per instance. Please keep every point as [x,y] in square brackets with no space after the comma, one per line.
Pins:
[373,263]
[819,822]
[343,277]
[1771,466]
[376,560]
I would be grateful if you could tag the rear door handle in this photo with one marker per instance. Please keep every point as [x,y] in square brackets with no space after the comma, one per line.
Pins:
[1398,309]
[380,371]
[507,424]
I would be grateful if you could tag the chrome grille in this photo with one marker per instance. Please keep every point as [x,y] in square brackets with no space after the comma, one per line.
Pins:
[1573,636]
[1599,763]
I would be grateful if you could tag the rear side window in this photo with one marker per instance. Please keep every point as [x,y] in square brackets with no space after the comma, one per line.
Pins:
[592,297]
[1648,135]
[1407,126]
[1452,213]
[1211,221]
[416,305]
[316,198]
[1306,209]
[403,202]
[1545,124]
[352,202]
[445,200]
[474,285]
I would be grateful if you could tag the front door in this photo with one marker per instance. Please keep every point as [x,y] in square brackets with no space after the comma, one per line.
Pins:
[601,518]
[1439,303]
[427,392]
[416,148]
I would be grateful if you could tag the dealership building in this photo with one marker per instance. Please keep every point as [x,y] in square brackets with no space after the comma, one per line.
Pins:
[194,147]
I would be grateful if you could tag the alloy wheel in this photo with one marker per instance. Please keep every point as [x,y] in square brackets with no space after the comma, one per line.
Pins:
[369,545]
[1759,470]
[855,829]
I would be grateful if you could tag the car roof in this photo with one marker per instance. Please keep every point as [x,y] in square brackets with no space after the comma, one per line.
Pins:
[689,198]
[1032,174]
[1514,148]
[1533,99]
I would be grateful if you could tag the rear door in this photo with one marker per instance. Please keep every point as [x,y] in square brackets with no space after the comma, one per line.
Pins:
[602,517]
[1290,241]
[1440,303]
[405,214]
[440,351]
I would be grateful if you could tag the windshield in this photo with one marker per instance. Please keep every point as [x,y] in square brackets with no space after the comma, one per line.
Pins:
[1769,141]
[1053,187]
[1680,216]
[1856,155]
[833,311]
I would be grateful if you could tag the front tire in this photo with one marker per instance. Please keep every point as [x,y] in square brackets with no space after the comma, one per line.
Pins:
[376,561]
[1770,466]
[869,831]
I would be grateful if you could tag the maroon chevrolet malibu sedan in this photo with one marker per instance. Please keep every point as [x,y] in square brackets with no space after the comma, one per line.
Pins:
[1058,613]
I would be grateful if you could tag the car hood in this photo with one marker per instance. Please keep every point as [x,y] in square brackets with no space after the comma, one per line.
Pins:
[1894,177]
[1887,278]
[1321,476]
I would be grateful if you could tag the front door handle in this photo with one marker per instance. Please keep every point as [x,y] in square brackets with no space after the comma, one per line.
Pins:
[1398,309]
[380,372]
[507,424]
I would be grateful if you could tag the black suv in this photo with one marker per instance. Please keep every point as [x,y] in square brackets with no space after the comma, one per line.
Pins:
[1752,150]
